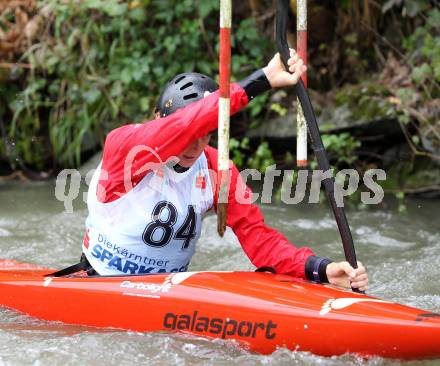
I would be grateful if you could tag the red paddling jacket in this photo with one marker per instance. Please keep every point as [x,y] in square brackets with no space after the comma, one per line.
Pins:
[167,137]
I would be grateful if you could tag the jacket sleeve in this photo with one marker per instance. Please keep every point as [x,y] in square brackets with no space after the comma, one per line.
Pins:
[132,150]
[170,135]
[264,246]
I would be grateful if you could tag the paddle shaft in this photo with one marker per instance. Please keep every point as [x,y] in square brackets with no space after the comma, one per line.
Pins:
[315,137]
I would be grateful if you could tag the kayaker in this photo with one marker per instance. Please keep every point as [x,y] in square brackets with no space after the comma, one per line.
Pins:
[145,209]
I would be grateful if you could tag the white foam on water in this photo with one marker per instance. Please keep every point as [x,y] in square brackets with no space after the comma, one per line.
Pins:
[4,233]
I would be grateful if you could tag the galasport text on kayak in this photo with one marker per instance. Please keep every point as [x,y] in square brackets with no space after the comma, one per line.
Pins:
[218,326]
[347,182]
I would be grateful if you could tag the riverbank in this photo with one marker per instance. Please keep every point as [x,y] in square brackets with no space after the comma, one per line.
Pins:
[71,72]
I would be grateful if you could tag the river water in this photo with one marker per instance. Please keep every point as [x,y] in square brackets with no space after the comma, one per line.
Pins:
[400,250]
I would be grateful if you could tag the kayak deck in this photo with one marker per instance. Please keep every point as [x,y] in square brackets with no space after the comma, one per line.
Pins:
[261,311]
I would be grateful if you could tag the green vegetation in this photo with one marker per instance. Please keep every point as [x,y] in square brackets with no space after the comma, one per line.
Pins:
[82,68]
[342,147]
[262,158]
[100,64]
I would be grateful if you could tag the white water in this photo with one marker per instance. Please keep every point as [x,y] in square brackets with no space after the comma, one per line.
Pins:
[401,251]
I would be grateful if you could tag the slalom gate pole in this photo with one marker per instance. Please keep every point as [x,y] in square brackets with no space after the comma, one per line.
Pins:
[301,48]
[223,114]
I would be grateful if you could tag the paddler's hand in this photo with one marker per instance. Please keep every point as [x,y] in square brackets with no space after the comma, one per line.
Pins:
[277,74]
[342,274]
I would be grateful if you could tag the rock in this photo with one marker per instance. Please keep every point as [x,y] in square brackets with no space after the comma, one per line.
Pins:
[377,134]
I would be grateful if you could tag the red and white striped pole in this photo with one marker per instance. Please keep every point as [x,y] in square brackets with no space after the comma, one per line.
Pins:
[223,113]
[301,47]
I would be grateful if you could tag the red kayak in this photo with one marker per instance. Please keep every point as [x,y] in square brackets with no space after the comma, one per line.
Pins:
[261,311]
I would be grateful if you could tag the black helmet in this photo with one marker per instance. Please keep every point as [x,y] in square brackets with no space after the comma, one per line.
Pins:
[182,90]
